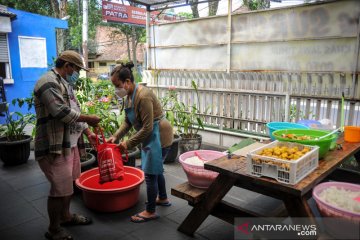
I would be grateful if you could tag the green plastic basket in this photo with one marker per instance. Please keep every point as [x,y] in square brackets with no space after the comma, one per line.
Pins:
[324,144]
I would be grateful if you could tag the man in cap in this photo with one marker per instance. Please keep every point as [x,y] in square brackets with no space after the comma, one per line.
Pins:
[58,139]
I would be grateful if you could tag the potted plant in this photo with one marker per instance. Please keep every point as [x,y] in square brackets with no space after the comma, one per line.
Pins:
[186,118]
[99,100]
[14,143]
[168,103]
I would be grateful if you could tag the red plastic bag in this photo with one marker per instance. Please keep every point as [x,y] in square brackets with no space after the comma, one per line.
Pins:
[109,160]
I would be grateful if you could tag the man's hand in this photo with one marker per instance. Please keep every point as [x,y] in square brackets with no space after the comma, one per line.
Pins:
[92,139]
[93,120]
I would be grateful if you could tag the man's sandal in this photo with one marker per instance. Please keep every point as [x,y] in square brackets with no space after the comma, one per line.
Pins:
[60,235]
[77,219]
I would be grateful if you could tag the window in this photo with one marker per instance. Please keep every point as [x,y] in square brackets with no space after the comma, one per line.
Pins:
[4,58]
[102,64]
[91,64]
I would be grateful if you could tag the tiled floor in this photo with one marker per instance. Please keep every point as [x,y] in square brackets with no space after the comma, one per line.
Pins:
[23,215]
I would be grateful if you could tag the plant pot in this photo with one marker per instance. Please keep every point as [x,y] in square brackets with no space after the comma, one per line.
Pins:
[174,150]
[132,153]
[15,152]
[88,162]
[188,143]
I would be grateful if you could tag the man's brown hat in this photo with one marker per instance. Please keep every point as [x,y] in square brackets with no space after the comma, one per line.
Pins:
[74,58]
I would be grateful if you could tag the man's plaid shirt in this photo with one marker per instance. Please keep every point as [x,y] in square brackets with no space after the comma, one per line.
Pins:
[54,115]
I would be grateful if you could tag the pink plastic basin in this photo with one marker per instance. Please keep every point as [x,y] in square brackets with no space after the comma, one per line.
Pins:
[339,223]
[111,196]
[197,175]
[328,210]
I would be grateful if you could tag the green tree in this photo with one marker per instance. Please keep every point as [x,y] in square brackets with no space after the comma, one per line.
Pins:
[42,7]
[213,7]
[194,8]
[257,4]
[74,10]
[185,15]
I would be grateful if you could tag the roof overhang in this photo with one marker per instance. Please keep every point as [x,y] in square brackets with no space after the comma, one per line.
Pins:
[5,13]
[155,5]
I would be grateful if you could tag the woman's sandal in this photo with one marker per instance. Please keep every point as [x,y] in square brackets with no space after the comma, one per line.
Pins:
[164,204]
[60,235]
[141,219]
[77,219]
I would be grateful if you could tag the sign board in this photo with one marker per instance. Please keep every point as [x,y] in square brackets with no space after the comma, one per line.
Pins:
[33,52]
[114,12]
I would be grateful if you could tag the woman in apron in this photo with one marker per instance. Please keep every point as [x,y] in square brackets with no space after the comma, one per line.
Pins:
[143,112]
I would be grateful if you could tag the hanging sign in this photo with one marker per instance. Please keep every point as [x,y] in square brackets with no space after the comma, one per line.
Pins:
[113,12]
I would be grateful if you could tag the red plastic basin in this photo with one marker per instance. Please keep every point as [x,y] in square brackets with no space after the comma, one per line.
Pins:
[111,196]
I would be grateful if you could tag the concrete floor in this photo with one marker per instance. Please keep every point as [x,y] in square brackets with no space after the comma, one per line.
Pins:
[24,190]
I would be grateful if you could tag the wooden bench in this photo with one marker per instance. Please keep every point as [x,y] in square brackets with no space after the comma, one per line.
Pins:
[189,193]
[224,210]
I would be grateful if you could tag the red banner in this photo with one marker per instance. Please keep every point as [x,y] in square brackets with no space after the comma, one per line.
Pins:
[113,12]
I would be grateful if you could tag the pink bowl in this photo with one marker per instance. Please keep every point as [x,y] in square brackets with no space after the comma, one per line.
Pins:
[197,175]
[328,210]
[111,196]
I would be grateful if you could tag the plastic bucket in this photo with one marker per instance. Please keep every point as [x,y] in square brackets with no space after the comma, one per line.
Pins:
[273,126]
[324,144]
[352,134]
[111,196]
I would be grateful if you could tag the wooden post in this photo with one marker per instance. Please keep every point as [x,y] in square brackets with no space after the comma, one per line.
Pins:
[85,32]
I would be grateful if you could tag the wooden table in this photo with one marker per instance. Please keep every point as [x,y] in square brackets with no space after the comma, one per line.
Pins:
[232,172]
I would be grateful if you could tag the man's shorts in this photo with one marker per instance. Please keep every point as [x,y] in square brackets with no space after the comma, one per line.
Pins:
[61,172]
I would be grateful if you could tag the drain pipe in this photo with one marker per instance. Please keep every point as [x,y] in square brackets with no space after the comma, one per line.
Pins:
[236,134]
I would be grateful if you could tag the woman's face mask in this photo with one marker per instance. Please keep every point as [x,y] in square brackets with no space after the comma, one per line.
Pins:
[120,92]
[73,77]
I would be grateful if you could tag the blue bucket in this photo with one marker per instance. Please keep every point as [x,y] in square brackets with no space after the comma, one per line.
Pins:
[273,126]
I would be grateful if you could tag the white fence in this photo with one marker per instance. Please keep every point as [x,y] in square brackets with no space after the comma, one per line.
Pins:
[247,101]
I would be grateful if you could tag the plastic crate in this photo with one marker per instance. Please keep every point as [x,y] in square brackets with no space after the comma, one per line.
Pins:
[284,171]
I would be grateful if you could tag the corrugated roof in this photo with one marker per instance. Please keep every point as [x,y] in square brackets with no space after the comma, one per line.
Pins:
[5,12]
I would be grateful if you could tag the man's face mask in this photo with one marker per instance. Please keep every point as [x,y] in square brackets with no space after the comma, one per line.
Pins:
[73,77]
[120,92]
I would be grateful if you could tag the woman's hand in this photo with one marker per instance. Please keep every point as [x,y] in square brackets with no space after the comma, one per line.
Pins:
[111,139]
[122,146]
